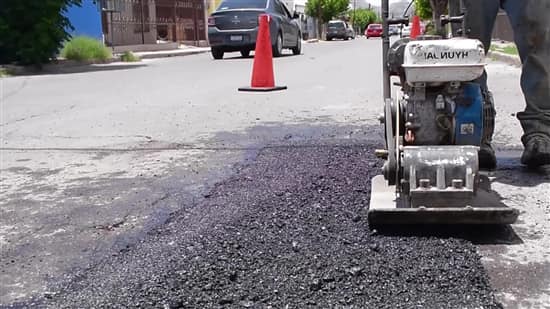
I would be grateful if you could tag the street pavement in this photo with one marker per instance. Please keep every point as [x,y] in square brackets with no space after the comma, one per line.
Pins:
[92,162]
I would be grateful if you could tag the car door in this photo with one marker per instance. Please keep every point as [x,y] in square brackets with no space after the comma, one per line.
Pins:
[349,30]
[284,21]
[294,27]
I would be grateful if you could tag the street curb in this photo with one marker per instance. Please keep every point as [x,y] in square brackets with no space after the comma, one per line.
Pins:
[54,66]
[502,57]
[60,65]
[176,53]
[313,41]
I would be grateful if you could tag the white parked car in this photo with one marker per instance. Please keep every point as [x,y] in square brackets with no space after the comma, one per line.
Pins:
[406,31]
[394,30]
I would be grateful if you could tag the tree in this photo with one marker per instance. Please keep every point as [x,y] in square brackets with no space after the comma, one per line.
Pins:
[325,10]
[433,9]
[423,9]
[32,32]
[439,7]
[363,17]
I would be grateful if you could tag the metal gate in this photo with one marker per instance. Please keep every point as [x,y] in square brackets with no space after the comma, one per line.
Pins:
[134,22]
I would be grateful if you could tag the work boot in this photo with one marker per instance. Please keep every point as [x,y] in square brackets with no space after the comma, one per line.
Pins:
[487,157]
[537,150]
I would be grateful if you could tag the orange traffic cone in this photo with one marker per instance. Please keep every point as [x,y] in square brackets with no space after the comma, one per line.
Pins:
[415,29]
[263,78]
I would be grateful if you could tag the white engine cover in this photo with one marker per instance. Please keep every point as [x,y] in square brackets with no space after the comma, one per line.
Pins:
[437,61]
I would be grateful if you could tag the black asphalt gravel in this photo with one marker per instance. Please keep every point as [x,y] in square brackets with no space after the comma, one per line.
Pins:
[287,231]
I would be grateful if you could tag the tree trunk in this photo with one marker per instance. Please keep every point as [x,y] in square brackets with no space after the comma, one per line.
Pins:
[319,23]
[438,8]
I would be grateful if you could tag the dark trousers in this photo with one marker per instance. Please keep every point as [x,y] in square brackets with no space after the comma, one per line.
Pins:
[530,21]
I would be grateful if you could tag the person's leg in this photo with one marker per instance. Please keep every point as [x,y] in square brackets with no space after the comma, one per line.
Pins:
[479,20]
[531,23]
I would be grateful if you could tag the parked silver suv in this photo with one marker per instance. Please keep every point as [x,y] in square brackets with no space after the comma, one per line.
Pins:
[339,29]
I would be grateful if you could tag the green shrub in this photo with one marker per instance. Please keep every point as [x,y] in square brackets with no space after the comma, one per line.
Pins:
[509,49]
[430,29]
[4,72]
[82,48]
[129,57]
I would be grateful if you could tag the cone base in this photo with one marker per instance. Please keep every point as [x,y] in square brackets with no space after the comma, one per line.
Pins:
[262,89]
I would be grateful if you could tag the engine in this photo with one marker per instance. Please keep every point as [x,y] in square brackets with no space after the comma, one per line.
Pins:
[441,105]
[441,108]
[434,127]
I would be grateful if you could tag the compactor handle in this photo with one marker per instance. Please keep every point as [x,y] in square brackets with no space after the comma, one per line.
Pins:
[445,19]
[398,21]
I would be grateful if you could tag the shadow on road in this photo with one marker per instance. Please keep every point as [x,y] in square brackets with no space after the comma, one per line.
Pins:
[477,234]
[251,56]
[510,171]
[84,68]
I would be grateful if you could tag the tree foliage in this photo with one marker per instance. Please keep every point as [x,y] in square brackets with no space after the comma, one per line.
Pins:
[325,10]
[363,17]
[33,31]
[423,9]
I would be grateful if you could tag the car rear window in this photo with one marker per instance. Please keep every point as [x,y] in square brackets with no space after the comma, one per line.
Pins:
[242,4]
[373,26]
[336,25]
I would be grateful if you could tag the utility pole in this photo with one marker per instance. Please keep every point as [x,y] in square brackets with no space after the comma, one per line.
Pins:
[354,23]
[385,47]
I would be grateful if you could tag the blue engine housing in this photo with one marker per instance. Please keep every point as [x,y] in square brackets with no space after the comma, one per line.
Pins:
[469,116]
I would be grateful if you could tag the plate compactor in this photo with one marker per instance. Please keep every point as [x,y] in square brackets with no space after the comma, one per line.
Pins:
[433,132]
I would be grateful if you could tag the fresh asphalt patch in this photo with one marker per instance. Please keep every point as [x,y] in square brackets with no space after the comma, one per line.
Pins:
[287,230]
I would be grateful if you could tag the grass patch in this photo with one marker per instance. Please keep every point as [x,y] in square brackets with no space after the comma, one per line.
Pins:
[82,48]
[129,57]
[506,49]
[4,73]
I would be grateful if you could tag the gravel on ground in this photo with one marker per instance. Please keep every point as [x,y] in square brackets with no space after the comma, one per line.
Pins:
[286,231]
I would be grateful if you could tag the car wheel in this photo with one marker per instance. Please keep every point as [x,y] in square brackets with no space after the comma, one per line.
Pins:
[367,37]
[346,38]
[245,53]
[329,39]
[298,49]
[217,53]
[278,47]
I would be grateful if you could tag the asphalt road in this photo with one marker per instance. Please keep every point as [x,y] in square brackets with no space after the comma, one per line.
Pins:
[93,164]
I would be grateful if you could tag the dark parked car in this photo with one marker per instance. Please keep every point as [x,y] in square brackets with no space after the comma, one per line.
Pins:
[373,30]
[234,27]
[338,29]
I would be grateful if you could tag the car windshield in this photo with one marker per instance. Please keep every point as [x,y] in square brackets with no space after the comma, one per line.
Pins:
[242,4]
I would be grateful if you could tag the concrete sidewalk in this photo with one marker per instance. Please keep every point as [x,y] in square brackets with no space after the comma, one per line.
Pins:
[182,51]
[58,66]
[497,54]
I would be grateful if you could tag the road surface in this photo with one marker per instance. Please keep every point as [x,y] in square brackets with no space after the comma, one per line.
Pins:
[120,183]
